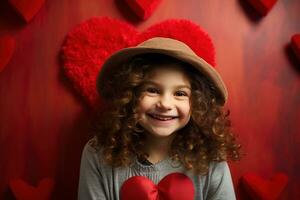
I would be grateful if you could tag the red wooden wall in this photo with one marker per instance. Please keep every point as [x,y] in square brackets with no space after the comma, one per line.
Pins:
[44,123]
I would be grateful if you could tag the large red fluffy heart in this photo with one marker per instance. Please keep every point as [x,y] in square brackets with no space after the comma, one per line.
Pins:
[143,8]
[262,6]
[23,191]
[27,9]
[88,45]
[175,186]
[263,189]
[91,42]
[7,47]
[295,42]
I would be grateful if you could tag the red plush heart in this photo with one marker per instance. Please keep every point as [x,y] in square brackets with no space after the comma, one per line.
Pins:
[7,47]
[23,191]
[295,42]
[262,189]
[27,8]
[175,186]
[91,42]
[262,6]
[143,8]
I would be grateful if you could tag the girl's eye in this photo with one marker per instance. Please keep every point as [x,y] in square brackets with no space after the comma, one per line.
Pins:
[181,93]
[152,90]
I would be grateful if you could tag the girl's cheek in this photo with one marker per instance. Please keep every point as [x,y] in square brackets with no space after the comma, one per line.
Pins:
[186,106]
[144,104]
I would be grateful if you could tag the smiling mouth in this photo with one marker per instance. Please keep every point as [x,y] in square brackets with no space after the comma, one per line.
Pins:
[161,117]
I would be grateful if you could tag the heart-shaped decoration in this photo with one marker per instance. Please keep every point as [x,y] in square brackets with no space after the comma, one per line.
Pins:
[175,186]
[89,44]
[23,191]
[143,8]
[27,9]
[264,189]
[295,42]
[7,47]
[262,6]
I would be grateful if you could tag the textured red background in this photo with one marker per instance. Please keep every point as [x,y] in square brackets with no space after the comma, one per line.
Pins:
[44,123]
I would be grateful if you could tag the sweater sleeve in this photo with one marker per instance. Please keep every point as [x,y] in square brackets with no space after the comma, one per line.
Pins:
[90,179]
[221,186]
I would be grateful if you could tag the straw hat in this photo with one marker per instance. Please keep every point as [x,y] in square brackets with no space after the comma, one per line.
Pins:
[166,46]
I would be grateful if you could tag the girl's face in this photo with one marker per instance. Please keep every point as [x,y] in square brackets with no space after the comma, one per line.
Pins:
[164,105]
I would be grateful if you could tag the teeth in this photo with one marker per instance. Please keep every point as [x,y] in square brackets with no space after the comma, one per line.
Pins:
[161,117]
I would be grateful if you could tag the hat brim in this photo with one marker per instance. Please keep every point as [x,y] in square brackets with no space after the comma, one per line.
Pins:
[124,55]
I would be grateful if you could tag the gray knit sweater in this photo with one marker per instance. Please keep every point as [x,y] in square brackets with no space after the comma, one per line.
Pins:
[99,181]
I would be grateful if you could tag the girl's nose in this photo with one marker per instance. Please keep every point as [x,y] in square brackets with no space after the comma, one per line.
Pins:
[164,103]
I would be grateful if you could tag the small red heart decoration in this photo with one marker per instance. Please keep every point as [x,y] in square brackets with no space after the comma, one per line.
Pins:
[295,42]
[7,47]
[175,186]
[262,6]
[23,191]
[89,44]
[143,8]
[264,189]
[27,8]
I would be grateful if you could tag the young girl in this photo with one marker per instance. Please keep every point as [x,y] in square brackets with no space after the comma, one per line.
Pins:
[163,132]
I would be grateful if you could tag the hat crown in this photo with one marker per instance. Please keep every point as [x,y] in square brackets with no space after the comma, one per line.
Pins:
[167,44]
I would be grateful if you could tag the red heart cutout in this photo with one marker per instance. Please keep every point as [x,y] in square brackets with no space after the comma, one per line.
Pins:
[262,189]
[27,9]
[143,8]
[7,47]
[91,42]
[23,191]
[295,42]
[175,186]
[262,6]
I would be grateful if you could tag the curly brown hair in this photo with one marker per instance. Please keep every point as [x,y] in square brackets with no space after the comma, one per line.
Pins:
[207,136]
